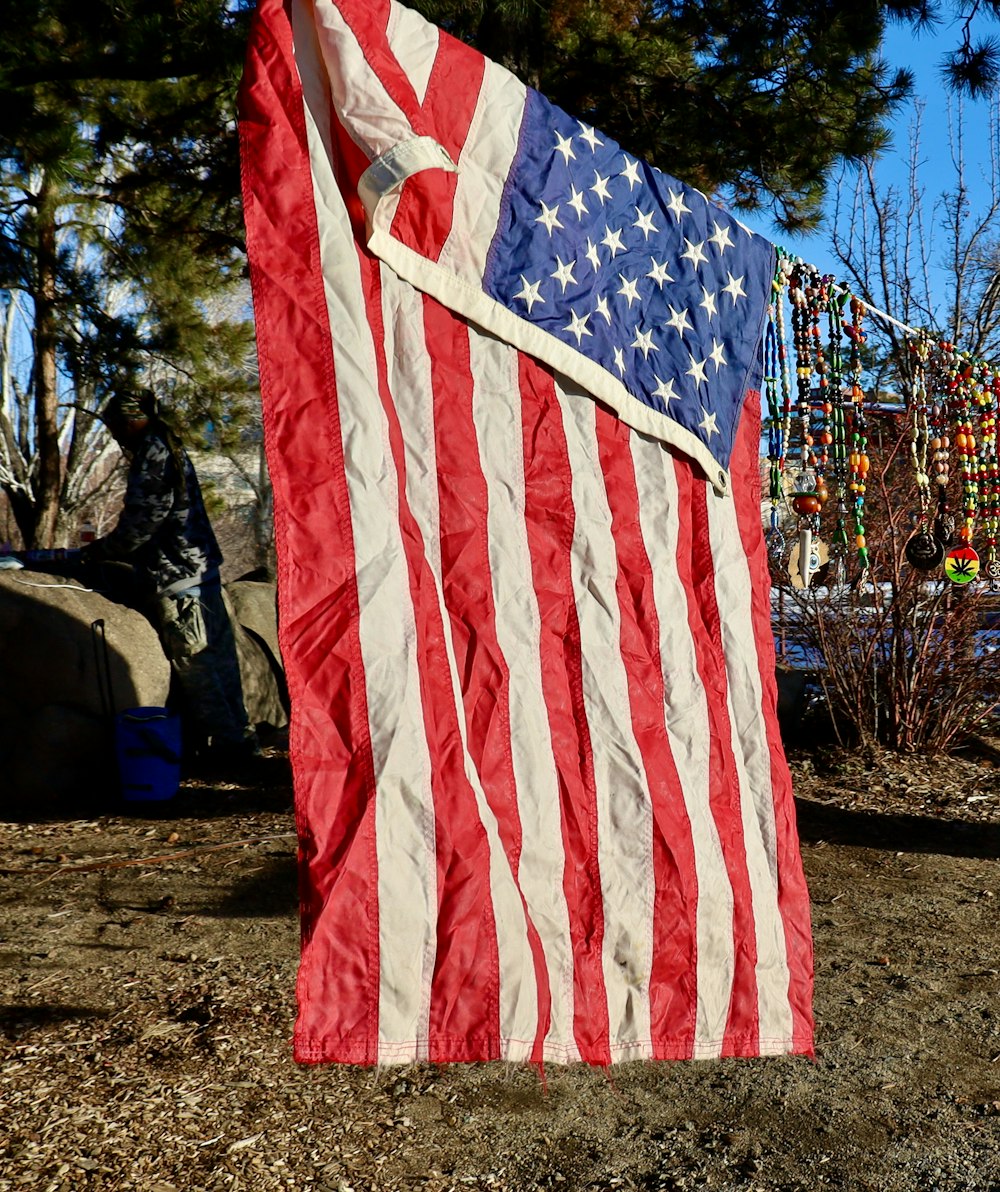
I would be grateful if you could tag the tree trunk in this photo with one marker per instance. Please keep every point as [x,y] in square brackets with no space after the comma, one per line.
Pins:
[264,515]
[48,477]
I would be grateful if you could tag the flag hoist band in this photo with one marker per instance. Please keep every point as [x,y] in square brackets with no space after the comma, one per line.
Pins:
[510,383]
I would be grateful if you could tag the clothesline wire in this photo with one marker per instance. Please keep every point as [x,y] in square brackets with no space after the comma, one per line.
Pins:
[844,288]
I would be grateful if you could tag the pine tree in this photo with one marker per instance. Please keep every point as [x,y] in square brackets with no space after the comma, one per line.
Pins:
[119,221]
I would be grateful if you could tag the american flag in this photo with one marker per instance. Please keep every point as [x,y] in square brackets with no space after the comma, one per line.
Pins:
[542,804]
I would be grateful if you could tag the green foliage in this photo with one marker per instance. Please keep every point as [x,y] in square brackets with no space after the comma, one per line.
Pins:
[120,228]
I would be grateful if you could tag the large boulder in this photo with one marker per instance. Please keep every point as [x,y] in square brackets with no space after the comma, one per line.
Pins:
[71,658]
[255,625]
[60,688]
[254,607]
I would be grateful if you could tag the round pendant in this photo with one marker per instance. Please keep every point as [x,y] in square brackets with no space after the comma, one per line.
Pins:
[924,552]
[992,570]
[961,565]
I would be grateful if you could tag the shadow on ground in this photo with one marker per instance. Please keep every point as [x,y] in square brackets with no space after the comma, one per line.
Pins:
[902,833]
[271,892]
[17,1021]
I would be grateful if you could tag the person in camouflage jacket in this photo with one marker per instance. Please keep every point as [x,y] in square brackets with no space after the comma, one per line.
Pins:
[165,533]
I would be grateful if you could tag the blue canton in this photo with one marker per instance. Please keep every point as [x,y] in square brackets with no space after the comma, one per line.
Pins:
[635,270]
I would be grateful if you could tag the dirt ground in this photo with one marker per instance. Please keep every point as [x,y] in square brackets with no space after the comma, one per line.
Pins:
[146,1011]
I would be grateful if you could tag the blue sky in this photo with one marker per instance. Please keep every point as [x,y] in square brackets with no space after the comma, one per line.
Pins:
[922,54]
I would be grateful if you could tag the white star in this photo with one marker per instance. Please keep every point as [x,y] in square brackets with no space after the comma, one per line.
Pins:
[602,309]
[613,241]
[600,187]
[589,136]
[564,273]
[677,204]
[708,302]
[529,292]
[577,203]
[716,354]
[707,423]
[645,222]
[695,252]
[631,172]
[629,290]
[644,342]
[659,272]
[697,370]
[564,145]
[549,217]
[620,361]
[592,255]
[735,288]
[664,389]
[721,238]
[578,326]
[679,321]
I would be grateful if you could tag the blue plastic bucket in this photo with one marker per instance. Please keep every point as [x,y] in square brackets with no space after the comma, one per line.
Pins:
[148,748]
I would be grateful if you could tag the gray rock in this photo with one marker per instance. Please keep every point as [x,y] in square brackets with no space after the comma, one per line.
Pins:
[51,653]
[255,609]
[252,608]
[59,691]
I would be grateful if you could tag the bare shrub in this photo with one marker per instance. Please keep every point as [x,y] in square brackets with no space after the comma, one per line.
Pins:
[905,658]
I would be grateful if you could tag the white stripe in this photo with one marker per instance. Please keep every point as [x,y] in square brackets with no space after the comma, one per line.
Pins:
[404,808]
[624,812]
[414,42]
[753,764]
[497,416]
[482,171]
[373,120]
[687,726]
[410,384]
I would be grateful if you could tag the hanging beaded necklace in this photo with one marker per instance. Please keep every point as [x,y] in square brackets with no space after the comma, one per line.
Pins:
[961,563]
[838,400]
[779,407]
[941,446]
[857,460]
[923,551]
[965,445]
[817,300]
[802,343]
[989,467]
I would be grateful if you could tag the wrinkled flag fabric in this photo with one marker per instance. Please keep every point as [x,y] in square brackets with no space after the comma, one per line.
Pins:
[509,377]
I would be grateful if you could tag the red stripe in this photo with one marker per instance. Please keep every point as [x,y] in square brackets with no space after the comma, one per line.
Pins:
[793,896]
[550,517]
[330,745]
[696,571]
[465,567]
[464,1011]
[673,984]
[424,216]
